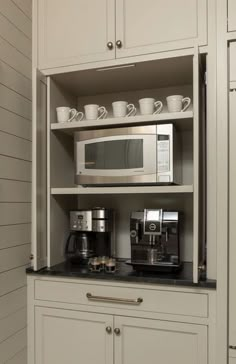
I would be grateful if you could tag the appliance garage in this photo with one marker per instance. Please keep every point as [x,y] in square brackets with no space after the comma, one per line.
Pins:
[144,153]
[124,186]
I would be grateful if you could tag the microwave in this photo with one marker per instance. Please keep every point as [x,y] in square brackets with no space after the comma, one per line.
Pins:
[137,155]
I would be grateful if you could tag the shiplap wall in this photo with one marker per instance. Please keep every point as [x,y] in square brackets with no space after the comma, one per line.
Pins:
[15,175]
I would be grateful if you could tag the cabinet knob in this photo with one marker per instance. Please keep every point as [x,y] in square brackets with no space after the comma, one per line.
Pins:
[117,331]
[110,45]
[118,43]
[109,329]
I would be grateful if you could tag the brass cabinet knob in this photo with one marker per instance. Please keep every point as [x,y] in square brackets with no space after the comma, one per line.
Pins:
[118,43]
[110,45]
[109,329]
[117,331]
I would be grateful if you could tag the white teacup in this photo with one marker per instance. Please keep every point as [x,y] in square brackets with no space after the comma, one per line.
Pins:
[65,114]
[178,103]
[95,112]
[122,109]
[148,105]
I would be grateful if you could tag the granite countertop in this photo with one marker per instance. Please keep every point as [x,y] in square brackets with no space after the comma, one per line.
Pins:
[125,273]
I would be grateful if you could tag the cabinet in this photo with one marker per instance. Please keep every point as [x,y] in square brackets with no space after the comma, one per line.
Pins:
[60,195]
[79,330]
[64,336]
[231,15]
[74,31]
[81,31]
[159,341]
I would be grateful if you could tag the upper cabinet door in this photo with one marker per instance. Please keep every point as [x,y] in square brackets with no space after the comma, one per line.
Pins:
[231,15]
[152,341]
[75,31]
[149,26]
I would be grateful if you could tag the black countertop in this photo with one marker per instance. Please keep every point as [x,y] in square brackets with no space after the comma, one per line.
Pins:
[125,273]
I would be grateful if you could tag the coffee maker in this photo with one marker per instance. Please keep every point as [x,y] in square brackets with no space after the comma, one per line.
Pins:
[91,234]
[154,236]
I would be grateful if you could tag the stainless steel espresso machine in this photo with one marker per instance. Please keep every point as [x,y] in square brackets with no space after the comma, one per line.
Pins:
[92,234]
[154,236]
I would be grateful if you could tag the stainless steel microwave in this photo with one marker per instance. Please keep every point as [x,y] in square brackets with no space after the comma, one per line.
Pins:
[145,155]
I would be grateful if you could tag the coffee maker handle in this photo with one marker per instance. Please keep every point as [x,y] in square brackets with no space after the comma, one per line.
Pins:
[70,238]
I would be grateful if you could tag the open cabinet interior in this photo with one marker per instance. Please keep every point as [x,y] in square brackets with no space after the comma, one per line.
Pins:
[157,79]
[122,205]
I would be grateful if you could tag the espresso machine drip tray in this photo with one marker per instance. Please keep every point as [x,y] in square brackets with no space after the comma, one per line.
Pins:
[165,267]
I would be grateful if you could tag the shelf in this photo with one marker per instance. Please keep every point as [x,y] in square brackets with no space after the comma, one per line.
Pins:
[182,120]
[122,190]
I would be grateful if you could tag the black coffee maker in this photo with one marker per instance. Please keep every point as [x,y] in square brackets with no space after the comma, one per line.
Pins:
[154,237]
[91,235]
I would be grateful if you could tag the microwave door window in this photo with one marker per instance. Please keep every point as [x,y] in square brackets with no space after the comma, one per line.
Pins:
[115,154]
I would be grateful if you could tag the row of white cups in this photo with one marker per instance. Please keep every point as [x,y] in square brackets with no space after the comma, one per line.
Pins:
[147,106]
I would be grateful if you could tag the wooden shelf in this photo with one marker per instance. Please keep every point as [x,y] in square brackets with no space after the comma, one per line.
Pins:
[182,120]
[122,190]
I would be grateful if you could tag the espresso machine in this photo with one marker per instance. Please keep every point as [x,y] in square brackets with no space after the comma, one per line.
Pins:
[91,234]
[154,236]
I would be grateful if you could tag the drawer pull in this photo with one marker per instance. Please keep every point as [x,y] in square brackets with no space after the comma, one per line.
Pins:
[126,301]
[233,347]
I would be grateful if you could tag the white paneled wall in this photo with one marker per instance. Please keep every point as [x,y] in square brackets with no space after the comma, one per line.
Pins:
[15,175]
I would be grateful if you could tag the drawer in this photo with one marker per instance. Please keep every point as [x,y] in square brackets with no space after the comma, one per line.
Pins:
[232,360]
[159,301]
[232,61]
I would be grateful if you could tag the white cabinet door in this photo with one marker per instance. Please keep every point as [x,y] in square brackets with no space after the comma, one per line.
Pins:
[231,15]
[70,337]
[148,26]
[150,341]
[74,31]
[39,175]
[232,219]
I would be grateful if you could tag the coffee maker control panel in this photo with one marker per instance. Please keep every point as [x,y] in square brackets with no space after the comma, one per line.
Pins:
[152,222]
[81,220]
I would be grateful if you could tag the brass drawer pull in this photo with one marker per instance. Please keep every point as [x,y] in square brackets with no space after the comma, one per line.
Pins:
[126,301]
